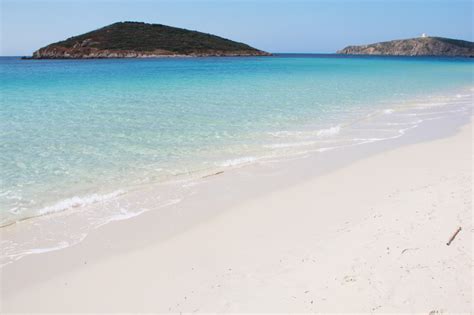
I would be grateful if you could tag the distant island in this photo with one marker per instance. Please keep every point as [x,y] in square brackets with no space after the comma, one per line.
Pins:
[142,40]
[421,46]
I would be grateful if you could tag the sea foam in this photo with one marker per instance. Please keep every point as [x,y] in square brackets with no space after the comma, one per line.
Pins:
[76,202]
[332,131]
[238,161]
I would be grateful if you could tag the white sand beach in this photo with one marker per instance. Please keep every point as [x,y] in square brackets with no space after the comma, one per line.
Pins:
[366,235]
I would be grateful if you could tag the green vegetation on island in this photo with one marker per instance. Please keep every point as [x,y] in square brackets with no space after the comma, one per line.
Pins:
[139,40]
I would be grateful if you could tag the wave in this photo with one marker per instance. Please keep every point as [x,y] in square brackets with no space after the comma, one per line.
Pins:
[77,202]
[439,113]
[331,131]
[125,215]
[8,258]
[63,205]
[238,161]
[289,144]
[60,239]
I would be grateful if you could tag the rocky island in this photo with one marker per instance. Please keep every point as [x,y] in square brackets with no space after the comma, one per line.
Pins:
[422,46]
[142,40]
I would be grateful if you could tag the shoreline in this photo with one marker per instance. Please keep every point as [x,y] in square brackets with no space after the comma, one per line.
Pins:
[181,235]
[103,207]
[143,57]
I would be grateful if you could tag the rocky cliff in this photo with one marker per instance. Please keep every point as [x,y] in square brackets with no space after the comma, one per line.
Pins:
[423,46]
[141,40]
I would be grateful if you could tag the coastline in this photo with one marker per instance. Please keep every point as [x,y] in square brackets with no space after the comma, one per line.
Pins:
[69,221]
[127,157]
[252,239]
[138,55]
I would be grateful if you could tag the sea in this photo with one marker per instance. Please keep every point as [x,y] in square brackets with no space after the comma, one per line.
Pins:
[83,137]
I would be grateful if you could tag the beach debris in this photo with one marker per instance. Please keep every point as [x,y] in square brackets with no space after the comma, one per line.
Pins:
[454,236]
[407,249]
[349,279]
[213,174]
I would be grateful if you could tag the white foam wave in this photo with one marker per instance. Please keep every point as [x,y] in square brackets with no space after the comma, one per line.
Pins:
[332,131]
[285,133]
[403,123]
[125,214]
[326,149]
[400,133]
[76,202]
[238,161]
[9,258]
[462,110]
[289,145]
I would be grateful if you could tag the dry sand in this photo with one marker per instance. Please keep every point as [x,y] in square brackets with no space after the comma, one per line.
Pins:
[369,236]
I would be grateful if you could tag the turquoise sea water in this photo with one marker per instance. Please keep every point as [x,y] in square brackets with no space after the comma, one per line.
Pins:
[78,132]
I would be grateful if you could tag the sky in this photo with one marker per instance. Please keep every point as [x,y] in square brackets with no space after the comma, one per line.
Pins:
[272,25]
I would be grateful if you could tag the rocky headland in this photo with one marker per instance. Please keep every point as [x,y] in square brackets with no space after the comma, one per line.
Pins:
[422,46]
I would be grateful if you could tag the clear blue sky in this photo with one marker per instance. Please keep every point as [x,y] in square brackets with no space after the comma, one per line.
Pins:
[272,25]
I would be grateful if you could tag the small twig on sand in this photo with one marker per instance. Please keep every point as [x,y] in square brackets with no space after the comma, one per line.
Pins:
[454,236]
[407,249]
[214,174]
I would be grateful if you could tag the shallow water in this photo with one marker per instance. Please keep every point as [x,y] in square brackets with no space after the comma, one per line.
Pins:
[80,132]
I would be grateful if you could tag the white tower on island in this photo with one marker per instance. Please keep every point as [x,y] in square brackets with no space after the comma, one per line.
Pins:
[423,35]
